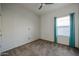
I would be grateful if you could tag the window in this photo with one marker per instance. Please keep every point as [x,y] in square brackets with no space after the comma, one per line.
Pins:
[63,26]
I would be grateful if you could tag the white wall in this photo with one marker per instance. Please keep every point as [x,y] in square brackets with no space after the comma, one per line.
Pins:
[63,40]
[19,26]
[47,23]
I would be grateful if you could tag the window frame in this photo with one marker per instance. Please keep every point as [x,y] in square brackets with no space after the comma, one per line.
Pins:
[63,26]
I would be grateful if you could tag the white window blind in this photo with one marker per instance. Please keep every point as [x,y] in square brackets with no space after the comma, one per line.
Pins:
[63,26]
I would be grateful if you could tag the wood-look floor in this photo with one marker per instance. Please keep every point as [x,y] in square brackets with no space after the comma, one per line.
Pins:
[42,48]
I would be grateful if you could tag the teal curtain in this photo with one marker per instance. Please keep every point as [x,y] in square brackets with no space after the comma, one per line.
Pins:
[72,31]
[55,36]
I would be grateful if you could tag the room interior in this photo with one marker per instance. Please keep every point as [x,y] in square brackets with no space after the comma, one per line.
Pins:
[29,29]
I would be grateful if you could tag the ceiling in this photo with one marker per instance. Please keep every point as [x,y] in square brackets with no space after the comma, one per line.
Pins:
[34,7]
